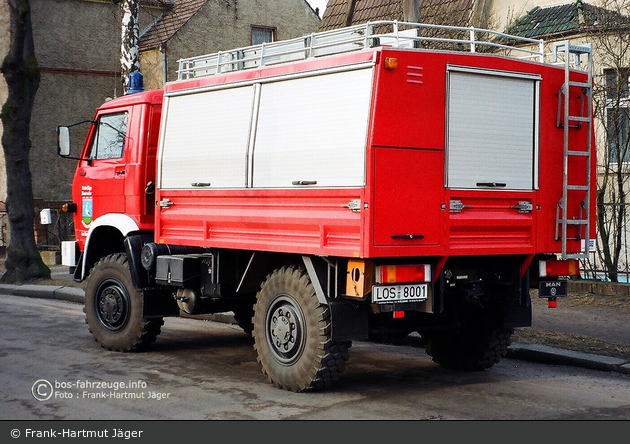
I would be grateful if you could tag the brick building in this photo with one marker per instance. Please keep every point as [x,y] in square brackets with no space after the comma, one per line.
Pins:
[77,44]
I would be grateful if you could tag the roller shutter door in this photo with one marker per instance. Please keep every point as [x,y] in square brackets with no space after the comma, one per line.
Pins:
[492,130]
[313,129]
[206,139]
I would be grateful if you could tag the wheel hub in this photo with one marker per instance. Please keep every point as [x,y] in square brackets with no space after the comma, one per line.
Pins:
[283,329]
[112,307]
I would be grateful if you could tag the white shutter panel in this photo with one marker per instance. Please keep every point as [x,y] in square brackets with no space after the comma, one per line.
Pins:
[313,129]
[206,138]
[491,131]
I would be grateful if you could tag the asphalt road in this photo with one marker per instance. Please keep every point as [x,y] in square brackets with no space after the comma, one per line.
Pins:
[199,370]
[605,323]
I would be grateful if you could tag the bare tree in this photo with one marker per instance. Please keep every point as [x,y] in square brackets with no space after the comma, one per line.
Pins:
[608,28]
[22,76]
[130,38]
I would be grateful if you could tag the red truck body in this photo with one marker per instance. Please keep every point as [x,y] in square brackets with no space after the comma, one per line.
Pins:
[344,170]
[399,199]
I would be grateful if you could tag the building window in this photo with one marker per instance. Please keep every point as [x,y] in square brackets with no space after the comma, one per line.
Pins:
[618,129]
[263,34]
[617,83]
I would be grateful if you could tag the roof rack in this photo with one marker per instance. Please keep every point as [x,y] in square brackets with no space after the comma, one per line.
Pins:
[355,38]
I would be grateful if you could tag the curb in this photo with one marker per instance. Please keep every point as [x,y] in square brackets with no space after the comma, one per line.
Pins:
[550,355]
[525,352]
[71,294]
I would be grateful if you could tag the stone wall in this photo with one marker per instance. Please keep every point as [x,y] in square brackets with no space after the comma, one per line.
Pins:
[599,288]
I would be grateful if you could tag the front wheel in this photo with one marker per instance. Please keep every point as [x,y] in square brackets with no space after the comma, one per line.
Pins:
[293,335]
[113,307]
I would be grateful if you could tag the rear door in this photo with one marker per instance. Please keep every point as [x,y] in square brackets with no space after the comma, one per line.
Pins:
[491,170]
[408,196]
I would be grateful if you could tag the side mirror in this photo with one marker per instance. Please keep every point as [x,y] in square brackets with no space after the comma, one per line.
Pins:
[63,141]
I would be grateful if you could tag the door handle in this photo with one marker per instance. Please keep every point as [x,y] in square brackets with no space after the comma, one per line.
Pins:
[304,182]
[166,203]
[408,236]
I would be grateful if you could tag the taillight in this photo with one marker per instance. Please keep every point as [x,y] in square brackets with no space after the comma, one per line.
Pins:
[390,274]
[555,268]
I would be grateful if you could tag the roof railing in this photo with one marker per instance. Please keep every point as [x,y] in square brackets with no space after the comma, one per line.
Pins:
[359,37]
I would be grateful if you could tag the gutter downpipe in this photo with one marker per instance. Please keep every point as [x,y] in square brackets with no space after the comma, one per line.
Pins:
[163,51]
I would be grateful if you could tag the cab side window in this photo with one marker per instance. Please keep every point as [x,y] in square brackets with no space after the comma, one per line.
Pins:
[109,137]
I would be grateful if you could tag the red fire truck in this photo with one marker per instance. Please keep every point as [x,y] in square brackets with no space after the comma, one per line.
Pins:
[348,185]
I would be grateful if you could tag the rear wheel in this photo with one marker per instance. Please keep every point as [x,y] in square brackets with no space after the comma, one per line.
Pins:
[243,315]
[293,335]
[114,307]
[475,347]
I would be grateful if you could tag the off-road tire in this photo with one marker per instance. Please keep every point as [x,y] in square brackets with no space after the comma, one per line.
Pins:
[244,318]
[293,334]
[113,307]
[474,348]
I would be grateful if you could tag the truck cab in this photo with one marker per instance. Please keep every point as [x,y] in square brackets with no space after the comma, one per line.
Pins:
[114,182]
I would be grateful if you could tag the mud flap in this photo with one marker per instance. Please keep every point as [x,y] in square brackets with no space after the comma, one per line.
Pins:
[133,248]
[349,322]
[518,312]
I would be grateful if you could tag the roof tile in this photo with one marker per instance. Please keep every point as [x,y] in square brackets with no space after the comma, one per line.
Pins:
[431,11]
[169,23]
[562,20]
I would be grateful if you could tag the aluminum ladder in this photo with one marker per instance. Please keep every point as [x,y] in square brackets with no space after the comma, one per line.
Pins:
[571,56]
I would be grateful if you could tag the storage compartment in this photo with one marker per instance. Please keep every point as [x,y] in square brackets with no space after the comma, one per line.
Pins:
[179,270]
[492,129]
[408,196]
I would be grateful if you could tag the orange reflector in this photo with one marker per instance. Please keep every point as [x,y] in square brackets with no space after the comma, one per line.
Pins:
[391,63]
[391,274]
[69,208]
[399,314]
[569,267]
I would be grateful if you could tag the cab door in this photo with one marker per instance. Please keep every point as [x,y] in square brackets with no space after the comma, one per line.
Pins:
[100,179]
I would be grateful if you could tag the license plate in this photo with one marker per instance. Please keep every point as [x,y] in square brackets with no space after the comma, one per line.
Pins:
[552,289]
[400,293]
